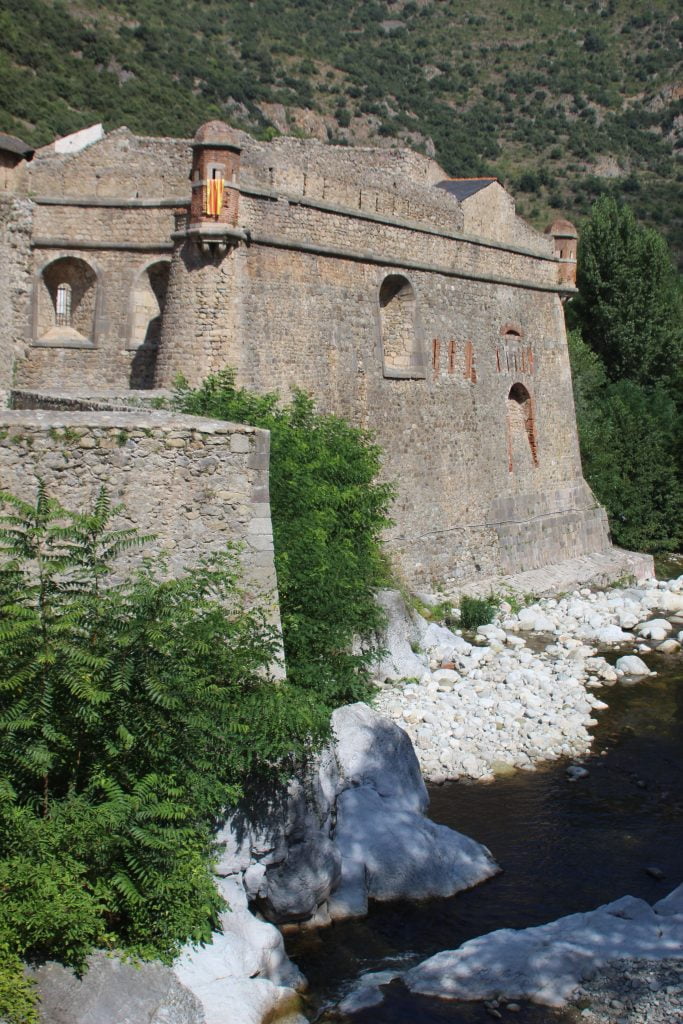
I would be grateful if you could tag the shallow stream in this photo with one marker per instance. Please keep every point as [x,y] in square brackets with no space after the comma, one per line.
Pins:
[563,846]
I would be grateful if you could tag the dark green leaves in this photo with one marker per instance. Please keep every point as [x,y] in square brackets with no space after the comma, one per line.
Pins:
[328,512]
[131,714]
[626,366]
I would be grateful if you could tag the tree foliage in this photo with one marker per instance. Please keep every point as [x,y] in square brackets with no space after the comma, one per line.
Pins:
[629,307]
[626,353]
[630,437]
[328,511]
[131,714]
[545,91]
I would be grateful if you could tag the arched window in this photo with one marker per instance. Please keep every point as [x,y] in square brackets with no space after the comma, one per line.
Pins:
[521,428]
[402,354]
[65,300]
[147,302]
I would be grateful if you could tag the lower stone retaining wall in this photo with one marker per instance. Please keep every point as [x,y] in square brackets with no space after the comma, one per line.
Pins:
[540,529]
[196,484]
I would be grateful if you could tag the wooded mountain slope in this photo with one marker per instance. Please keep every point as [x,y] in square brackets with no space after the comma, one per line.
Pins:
[562,100]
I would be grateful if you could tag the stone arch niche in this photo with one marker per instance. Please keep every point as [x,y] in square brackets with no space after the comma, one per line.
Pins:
[65,303]
[521,429]
[400,329]
[146,309]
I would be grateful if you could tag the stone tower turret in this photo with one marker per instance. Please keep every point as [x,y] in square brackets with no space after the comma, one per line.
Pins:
[566,240]
[214,176]
[197,329]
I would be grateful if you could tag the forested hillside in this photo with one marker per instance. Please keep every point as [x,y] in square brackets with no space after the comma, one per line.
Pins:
[561,100]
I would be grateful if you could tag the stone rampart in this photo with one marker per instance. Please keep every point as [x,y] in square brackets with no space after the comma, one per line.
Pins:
[434,322]
[196,484]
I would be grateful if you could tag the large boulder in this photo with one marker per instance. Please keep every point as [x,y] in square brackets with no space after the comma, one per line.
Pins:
[390,853]
[112,991]
[354,829]
[389,849]
[400,636]
[245,966]
[372,751]
[294,889]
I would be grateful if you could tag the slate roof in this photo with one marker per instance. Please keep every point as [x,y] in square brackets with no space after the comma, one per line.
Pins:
[463,188]
[11,144]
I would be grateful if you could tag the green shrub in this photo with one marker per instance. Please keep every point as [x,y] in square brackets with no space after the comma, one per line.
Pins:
[130,715]
[477,611]
[18,1000]
[328,514]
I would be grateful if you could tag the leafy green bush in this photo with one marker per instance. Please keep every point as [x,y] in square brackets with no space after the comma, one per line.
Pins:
[328,513]
[18,1004]
[477,611]
[131,713]
[630,438]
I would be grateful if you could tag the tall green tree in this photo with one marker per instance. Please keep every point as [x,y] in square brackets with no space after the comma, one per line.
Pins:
[626,353]
[630,449]
[629,307]
[329,510]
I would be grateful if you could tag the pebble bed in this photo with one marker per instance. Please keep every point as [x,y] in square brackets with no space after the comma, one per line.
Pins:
[633,992]
[485,709]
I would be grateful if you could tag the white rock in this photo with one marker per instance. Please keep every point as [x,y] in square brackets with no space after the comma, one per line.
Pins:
[366,991]
[390,852]
[631,665]
[222,974]
[515,641]
[543,624]
[627,620]
[612,635]
[670,601]
[546,964]
[654,629]
[492,632]
[402,629]
[445,675]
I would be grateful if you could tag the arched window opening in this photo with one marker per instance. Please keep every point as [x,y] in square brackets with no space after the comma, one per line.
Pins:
[148,300]
[400,331]
[521,428]
[65,303]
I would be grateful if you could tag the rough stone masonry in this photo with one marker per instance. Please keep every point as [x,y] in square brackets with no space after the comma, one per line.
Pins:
[417,306]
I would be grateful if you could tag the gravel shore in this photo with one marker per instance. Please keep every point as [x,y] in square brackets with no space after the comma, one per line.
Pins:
[486,708]
[633,992]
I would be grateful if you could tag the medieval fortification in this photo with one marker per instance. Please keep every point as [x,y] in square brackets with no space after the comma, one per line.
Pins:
[421,308]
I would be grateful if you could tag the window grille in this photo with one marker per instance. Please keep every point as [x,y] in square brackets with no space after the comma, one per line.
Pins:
[63,305]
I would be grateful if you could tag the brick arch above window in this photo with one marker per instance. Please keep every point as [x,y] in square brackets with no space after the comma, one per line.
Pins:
[521,421]
[513,329]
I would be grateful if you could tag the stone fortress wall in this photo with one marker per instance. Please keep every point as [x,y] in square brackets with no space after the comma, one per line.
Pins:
[434,322]
[194,484]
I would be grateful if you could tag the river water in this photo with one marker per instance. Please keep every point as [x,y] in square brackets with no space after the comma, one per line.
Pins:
[563,846]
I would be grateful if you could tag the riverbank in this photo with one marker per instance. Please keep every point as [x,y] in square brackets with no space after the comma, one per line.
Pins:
[632,992]
[508,700]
